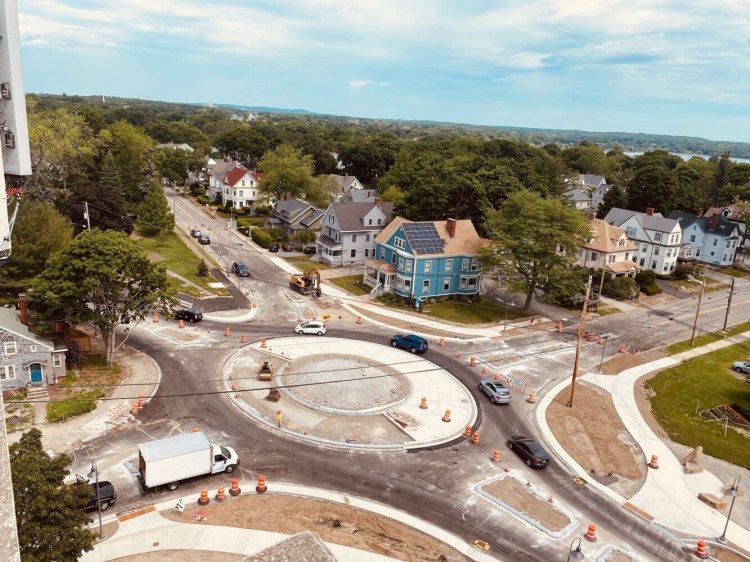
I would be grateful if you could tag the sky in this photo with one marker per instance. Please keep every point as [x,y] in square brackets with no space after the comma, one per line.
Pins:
[647,66]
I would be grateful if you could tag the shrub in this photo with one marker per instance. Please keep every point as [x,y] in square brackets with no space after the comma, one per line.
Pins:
[239,211]
[75,354]
[81,403]
[276,234]
[260,237]
[619,288]
[202,268]
[645,277]
[263,210]
[391,298]
[651,290]
[682,271]
[203,200]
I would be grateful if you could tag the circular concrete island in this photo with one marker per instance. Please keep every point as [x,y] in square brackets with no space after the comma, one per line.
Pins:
[348,392]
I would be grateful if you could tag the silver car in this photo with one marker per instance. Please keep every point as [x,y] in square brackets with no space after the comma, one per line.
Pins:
[496,390]
[311,327]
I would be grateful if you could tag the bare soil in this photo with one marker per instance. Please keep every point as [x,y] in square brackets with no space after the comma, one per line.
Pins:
[183,555]
[289,515]
[627,360]
[593,434]
[511,492]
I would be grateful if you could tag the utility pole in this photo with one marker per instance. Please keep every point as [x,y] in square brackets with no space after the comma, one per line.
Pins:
[601,283]
[698,309]
[86,215]
[578,345]
[729,303]
[229,239]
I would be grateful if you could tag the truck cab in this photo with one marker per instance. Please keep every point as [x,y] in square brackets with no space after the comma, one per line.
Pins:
[225,459]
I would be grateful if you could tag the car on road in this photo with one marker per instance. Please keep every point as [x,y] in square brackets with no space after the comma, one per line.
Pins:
[273,247]
[107,493]
[529,450]
[496,390]
[195,233]
[410,342]
[288,247]
[309,250]
[204,240]
[189,314]
[240,269]
[742,366]
[314,327]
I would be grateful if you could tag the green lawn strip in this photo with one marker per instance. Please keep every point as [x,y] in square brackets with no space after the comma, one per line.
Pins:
[352,284]
[701,383]
[180,259]
[78,399]
[304,263]
[705,339]
[734,271]
[607,310]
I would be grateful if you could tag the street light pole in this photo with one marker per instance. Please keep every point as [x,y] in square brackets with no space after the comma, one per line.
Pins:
[95,473]
[698,308]
[575,554]
[732,492]
[578,345]
[603,348]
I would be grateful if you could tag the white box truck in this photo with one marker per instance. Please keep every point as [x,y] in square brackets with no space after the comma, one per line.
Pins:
[165,462]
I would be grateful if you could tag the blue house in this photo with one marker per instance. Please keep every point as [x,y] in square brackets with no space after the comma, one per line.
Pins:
[426,259]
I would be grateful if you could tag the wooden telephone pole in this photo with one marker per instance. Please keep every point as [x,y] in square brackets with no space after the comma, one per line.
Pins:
[578,345]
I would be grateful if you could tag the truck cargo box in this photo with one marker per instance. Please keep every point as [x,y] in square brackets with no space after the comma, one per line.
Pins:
[175,458]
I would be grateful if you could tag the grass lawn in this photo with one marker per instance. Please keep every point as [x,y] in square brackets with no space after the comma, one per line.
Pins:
[480,312]
[352,284]
[74,397]
[177,257]
[698,384]
[304,263]
[705,339]
[734,271]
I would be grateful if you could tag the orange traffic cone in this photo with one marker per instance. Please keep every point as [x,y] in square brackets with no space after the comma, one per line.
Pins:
[475,438]
[423,404]
[496,455]
[447,416]
[442,342]
[591,533]
[156,317]
[532,397]
[622,348]
[473,362]
[654,462]
[181,324]
[243,338]
[203,500]
[263,343]
[700,549]
[226,331]
[220,495]
[467,432]
[235,489]
[359,320]
[261,487]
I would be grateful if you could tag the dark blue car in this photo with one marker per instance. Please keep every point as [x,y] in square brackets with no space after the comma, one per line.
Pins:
[410,342]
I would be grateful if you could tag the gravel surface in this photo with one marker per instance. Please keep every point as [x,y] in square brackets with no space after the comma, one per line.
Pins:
[511,492]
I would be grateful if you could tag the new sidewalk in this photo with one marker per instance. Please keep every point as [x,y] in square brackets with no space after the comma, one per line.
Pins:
[669,497]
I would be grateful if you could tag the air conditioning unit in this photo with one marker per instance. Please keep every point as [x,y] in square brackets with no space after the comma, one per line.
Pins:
[5,90]
[9,139]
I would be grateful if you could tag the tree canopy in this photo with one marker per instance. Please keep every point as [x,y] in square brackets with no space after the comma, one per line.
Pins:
[52,526]
[287,172]
[102,277]
[154,216]
[534,242]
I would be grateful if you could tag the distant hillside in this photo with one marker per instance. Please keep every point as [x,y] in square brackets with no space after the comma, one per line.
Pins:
[263,109]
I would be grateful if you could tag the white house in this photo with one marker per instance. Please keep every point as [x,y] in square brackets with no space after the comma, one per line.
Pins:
[657,239]
[346,184]
[240,187]
[348,231]
[176,146]
[578,198]
[713,239]
[608,247]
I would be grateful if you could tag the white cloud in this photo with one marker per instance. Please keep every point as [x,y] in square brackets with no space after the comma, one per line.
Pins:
[357,84]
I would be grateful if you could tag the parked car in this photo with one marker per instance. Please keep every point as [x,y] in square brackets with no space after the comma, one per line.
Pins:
[410,342]
[741,366]
[204,240]
[189,314]
[107,494]
[288,247]
[529,450]
[311,327]
[240,269]
[195,233]
[496,390]
[273,247]
[309,250]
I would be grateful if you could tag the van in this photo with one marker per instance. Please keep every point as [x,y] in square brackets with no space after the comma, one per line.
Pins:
[240,269]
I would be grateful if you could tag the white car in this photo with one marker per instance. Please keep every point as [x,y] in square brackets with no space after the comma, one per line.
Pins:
[311,327]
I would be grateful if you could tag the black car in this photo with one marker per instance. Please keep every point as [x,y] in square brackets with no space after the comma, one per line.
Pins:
[273,247]
[189,314]
[288,247]
[529,450]
[309,250]
[107,494]
[240,269]
[204,240]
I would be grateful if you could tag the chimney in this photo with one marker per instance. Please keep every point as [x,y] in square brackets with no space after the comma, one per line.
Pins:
[23,309]
[714,221]
[650,211]
[377,200]
[451,226]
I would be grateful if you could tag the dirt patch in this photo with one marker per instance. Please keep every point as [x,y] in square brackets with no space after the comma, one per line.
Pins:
[514,494]
[593,434]
[332,522]
[727,555]
[182,555]
[627,360]
[616,555]
[405,325]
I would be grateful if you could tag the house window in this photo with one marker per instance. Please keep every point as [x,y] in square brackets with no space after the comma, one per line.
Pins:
[393,257]
[330,217]
[631,232]
[727,246]
[399,243]
[612,258]
[57,360]
[465,264]
[7,372]
[657,237]
[643,262]
[367,252]
[448,265]
[367,237]
[446,284]
[33,349]
[407,284]
[425,286]
[380,221]
[594,256]
[474,265]
[698,253]
[656,251]
[10,348]
[369,222]
[653,265]
[468,283]
[716,241]
[382,253]
[408,266]
[401,263]
[692,237]
[354,237]
[428,266]
[354,253]
[242,192]
[644,247]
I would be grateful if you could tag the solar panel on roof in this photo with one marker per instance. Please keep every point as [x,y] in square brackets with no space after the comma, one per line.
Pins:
[423,238]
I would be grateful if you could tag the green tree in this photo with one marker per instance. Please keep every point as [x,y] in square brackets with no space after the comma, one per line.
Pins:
[531,239]
[694,179]
[653,186]
[242,144]
[52,527]
[371,157]
[323,190]
[102,277]
[172,165]
[286,173]
[39,232]
[133,150]
[721,180]
[614,198]
[392,194]
[154,216]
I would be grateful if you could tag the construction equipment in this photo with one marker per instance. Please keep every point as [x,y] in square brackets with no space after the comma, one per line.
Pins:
[265,373]
[307,283]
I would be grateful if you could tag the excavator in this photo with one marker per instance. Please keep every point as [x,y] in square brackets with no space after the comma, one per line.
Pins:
[307,283]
